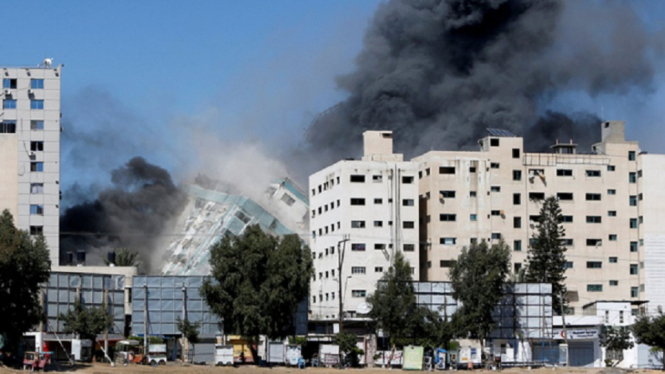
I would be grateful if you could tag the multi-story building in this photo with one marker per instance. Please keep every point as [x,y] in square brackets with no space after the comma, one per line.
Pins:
[362,212]
[611,201]
[30,150]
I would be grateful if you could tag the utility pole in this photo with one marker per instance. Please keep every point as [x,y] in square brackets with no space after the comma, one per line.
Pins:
[145,318]
[565,333]
[340,258]
[106,328]
[184,314]
[41,322]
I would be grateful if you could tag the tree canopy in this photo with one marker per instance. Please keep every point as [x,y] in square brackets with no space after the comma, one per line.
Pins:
[257,282]
[650,330]
[86,322]
[24,266]
[546,259]
[125,257]
[615,339]
[478,279]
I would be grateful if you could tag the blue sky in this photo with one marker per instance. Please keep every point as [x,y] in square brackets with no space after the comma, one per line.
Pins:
[136,71]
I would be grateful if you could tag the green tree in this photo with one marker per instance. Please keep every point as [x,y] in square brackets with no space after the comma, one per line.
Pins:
[125,257]
[257,282]
[546,257]
[190,330]
[394,302]
[478,279]
[615,339]
[24,266]
[86,322]
[650,330]
[347,344]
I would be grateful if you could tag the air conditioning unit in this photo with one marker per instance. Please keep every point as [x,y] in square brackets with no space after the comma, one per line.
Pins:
[32,154]
[31,92]
[8,92]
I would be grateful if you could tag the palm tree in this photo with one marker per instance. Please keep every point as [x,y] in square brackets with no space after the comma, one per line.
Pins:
[124,257]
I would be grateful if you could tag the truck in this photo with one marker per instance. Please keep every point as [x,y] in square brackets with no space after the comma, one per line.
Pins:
[223,355]
[156,354]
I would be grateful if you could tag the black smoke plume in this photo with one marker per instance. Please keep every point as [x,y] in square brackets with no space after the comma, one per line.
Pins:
[439,72]
[134,212]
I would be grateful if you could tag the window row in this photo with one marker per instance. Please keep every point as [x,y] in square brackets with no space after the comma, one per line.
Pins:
[356,247]
[325,208]
[361,224]
[326,230]
[11,104]
[12,83]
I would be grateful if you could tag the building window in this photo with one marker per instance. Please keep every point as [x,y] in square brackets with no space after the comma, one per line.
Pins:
[594,265]
[38,147]
[517,175]
[610,168]
[447,194]
[409,247]
[517,199]
[378,223]
[407,180]
[36,188]
[632,200]
[8,104]
[593,197]
[447,217]
[495,189]
[494,165]
[358,246]
[594,288]
[631,155]
[358,293]
[407,202]
[612,237]
[7,127]
[568,265]
[536,196]
[494,142]
[37,84]
[472,193]
[36,230]
[633,246]
[473,217]
[564,173]
[357,201]
[594,242]
[37,210]
[567,242]
[564,196]
[612,213]
[37,104]
[611,192]
[357,224]
[633,223]
[37,166]
[516,153]
[632,178]
[613,260]
[517,245]
[408,225]
[9,83]
[378,269]
[517,222]
[634,269]
[446,263]
[379,246]
[634,292]
[496,235]
[593,219]
[593,173]
[614,283]
[357,270]
[447,170]
[447,241]
[378,201]
[496,212]
[565,219]
[472,169]
[356,178]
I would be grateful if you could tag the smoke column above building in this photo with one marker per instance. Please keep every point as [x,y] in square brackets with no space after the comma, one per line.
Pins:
[438,73]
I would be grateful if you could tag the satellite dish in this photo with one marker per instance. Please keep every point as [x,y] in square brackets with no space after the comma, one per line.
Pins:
[363,308]
[47,62]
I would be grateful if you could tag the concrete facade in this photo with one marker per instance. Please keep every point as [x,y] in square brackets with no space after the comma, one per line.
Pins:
[610,199]
[30,118]
[372,203]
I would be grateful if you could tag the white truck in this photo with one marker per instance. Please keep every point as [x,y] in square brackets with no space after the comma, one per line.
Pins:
[156,354]
[223,355]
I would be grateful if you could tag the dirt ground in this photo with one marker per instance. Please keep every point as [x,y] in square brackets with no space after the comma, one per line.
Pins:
[176,369]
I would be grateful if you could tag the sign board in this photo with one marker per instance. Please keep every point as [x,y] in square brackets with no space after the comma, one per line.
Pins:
[413,358]
[335,328]
[576,334]
[384,356]
[293,354]
[276,352]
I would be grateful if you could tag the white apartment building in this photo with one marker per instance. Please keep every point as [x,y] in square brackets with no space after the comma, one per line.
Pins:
[30,150]
[367,209]
[612,203]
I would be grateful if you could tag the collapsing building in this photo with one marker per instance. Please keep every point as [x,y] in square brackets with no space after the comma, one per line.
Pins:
[212,213]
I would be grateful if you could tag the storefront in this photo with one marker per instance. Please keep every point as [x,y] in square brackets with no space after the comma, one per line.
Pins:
[583,342]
